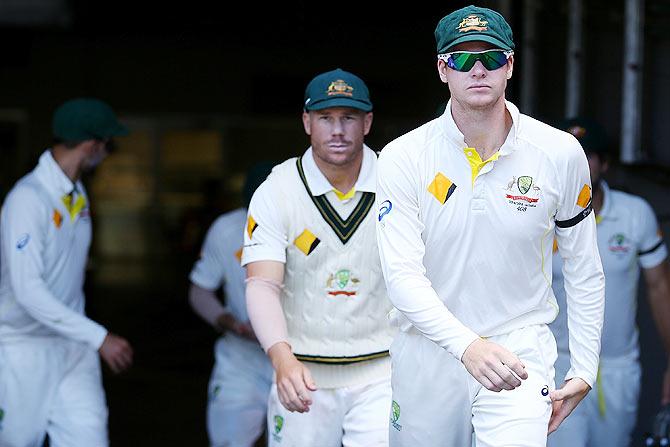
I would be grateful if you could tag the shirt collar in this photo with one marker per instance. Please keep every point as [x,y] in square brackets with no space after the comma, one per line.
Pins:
[50,172]
[319,184]
[453,133]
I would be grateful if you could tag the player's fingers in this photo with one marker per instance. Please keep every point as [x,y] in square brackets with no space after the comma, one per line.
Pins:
[515,365]
[556,417]
[288,396]
[508,380]
[488,384]
[302,398]
[309,381]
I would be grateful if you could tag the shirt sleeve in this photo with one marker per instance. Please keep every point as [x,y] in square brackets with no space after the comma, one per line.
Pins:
[651,246]
[401,250]
[265,235]
[23,236]
[208,271]
[582,269]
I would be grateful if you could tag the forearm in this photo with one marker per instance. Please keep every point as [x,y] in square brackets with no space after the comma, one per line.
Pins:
[658,290]
[40,303]
[265,311]
[206,305]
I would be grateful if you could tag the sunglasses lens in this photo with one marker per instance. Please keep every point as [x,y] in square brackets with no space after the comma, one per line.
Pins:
[493,60]
[464,61]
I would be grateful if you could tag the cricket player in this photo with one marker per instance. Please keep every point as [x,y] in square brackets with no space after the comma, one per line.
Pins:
[315,293]
[629,241]
[242,375]
[469,204]
[50,378]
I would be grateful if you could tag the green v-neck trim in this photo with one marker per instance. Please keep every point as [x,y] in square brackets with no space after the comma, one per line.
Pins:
[343,228]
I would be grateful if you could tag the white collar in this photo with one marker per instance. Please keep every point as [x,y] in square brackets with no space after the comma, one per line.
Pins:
[319,184]
[50,172]
[453,133]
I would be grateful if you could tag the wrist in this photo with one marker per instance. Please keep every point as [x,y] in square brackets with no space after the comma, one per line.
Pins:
[279,352]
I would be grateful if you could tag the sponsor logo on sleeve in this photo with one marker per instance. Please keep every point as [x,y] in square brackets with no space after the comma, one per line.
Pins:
[22,241]
[386,208]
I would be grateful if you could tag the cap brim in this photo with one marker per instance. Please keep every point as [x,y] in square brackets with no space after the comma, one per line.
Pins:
[340,102]
[472,37]
[119,131]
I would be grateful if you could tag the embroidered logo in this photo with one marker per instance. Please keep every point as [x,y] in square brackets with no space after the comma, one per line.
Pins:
[306,242]
[522,193]
[342,282]
[23,241]
[386,208]
[340,87]
[57,218]
[472,23]
[577,131]
[545,391]
[395,415]
[279,424]
[441,188]
[251,226]
[584,197]
[618,244]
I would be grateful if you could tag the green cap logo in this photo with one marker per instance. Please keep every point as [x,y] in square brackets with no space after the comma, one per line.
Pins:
[279,423]
[395,411]
[524,183]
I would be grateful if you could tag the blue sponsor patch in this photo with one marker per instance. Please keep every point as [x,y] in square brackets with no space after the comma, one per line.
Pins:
[23,241]
[385,209]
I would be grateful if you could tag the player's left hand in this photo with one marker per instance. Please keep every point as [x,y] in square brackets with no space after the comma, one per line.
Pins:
[245,330]
[565,399]
[665,392]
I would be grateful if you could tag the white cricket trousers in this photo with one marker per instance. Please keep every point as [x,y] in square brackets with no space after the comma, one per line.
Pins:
[608,414]
[51,386]
[238,392]
[355,416]
[437,403]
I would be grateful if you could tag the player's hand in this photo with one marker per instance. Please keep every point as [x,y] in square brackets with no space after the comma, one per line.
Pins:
[493,366]
[116,352]
[565,399]
[665,392]
[245,330]
[294,381]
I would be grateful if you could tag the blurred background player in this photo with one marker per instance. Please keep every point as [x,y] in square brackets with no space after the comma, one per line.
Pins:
[315,292]
[50,378]
[629,240]
[242,374]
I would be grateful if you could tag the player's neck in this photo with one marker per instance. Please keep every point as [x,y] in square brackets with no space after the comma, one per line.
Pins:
[483,129]
[598,198]
[341,177]
[69,161]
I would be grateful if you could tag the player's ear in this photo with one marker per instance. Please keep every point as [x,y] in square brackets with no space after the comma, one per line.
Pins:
[306,122]
[442,70]
[510,67]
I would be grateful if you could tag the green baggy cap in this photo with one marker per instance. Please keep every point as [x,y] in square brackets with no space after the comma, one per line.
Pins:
[473,23]
[83,119]
[337,88]
[590,134]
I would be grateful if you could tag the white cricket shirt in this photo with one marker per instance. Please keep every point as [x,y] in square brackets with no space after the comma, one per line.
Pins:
[466,245]
[45,234]
[219,262]
[628,239]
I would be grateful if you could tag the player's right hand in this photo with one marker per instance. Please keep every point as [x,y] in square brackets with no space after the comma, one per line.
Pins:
[493,366]
[294,381]
[116,352]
